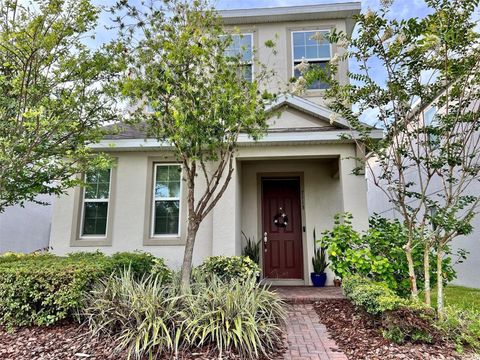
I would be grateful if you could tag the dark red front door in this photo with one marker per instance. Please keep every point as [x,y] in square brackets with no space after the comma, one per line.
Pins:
[282,228]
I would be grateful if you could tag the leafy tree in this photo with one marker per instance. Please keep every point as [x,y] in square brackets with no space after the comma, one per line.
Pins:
[174,54]
[52,104]
[424,168]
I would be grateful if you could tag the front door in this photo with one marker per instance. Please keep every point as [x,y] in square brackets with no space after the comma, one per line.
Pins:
[282,228]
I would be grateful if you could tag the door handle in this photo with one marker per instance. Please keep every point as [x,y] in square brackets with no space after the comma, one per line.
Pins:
[265,240]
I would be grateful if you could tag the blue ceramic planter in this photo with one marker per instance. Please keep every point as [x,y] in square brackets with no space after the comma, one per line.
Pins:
[318,280]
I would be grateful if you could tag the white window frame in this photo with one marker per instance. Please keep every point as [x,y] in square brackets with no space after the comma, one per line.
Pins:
[251,62]
[85,200]
[179,199]
[294,60]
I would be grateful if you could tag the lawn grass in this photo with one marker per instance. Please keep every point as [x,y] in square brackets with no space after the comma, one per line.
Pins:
[460,296]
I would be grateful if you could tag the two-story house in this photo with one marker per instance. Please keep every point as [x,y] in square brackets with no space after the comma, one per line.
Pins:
[301,169]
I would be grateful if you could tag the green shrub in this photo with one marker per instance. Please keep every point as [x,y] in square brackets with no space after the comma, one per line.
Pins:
[375,298]
[148,318]
[461,326]
[12,256]
[401,320]
[229,268]
[161,270]
[44,291]
[378,253]
[41,289]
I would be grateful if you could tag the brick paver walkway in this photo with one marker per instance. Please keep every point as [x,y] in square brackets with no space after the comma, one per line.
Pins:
[307,338]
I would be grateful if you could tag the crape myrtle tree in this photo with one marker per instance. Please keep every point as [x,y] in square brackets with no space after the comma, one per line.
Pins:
[191,93]
[424,167]
[52,104]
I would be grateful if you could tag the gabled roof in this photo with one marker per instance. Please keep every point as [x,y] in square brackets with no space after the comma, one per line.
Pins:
[135,138]
[307,107]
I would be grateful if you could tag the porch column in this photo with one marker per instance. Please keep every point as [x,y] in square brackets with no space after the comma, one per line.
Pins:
[354,193]
[226,220]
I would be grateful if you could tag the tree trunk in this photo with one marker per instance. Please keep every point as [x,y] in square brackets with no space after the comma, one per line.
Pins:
[439,282]
[426,270]
[411,272]
[188,255]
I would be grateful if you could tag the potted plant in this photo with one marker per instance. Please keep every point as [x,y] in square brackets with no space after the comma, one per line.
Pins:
[319,262]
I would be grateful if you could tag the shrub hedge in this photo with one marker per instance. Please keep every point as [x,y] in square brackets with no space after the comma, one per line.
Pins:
[401,319]
[229,268]
[42,289]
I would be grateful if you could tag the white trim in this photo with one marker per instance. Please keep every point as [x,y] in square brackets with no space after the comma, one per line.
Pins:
[154,199]
[82,216]
[243,140]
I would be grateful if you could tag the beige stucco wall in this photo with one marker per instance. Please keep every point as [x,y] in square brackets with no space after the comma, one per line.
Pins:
[281,61]
[326,192]
[127,214]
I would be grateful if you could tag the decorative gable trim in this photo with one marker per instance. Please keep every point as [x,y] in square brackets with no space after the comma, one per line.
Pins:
[307,107]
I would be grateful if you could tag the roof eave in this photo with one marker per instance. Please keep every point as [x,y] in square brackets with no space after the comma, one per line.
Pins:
[345,10]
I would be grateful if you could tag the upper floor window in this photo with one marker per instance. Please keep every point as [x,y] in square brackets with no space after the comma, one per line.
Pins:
[314,48]
[96,198]
[429,120]
[166,199]
[242,47]
[429,116]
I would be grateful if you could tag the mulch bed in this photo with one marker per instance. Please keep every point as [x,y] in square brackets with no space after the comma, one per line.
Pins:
[70,341]
[360,338]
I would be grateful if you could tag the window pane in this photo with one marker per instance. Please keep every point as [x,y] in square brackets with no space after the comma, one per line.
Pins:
[429,116]
[299,52]
[247,73]
[324,51]
[102,191]
[161,190]
[311,52]
[310,38]
[298,39]
[166,217]
[95,218]
[97,184]
[174,189]
[317,84]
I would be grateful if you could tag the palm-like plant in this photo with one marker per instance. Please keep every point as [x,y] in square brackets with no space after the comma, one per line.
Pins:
[251,249]
[319,259]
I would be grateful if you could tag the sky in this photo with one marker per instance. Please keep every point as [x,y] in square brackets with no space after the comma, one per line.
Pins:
[400,9]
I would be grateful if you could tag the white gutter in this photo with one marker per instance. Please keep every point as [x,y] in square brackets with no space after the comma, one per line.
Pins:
[243,140]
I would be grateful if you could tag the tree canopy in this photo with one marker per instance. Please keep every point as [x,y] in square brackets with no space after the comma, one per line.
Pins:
[53,104]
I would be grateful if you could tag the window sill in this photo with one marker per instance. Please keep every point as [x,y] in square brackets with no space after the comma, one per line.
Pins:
[164,240]
[93,241]
[314,92]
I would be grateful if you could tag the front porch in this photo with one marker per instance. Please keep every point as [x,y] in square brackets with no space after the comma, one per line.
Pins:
[307,294]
